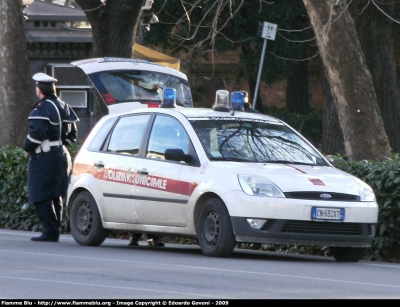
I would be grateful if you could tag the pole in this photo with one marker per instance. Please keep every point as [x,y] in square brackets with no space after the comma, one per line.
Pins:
[259,73]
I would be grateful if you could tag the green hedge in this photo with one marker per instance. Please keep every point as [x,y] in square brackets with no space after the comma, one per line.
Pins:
[383,177]
[15,212]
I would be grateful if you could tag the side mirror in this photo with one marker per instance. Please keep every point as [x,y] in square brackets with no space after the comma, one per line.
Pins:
[177,155]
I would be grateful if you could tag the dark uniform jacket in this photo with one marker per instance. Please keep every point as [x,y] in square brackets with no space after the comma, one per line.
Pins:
[249,109]
[51,125]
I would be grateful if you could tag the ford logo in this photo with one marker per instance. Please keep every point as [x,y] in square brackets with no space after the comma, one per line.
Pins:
[325,196]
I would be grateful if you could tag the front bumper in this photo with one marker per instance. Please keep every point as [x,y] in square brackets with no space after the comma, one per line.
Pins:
[300,232]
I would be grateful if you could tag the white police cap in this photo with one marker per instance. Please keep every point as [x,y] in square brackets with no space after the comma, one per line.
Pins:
[41,77]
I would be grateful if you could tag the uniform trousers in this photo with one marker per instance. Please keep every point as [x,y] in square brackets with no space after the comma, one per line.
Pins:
[50,216]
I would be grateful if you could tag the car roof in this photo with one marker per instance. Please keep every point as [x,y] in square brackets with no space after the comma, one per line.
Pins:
[192,113]
[93,65]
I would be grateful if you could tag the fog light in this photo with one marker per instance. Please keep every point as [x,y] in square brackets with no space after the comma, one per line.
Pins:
[256,223]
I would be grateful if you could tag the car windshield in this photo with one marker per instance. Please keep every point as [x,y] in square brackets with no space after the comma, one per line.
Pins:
[138,85]
[253,141]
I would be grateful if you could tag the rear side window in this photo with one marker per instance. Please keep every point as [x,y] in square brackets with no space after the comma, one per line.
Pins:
[127,134]
[101,135]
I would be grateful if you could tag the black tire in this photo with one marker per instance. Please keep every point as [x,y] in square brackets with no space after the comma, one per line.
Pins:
[347,254]
[214,229]
[85,221]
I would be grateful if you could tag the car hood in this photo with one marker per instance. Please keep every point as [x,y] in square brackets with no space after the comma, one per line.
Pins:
[291,177]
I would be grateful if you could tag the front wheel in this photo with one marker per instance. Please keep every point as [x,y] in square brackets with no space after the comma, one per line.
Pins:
[347,254]
[214,229]
[85,221]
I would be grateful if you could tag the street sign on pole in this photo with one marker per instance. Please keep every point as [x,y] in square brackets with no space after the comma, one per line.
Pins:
[268,32]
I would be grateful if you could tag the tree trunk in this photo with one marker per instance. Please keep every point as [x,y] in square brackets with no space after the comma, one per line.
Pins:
[110,24]
[297,91]
[16,85]
[332,136]
[350,80]
[375,33]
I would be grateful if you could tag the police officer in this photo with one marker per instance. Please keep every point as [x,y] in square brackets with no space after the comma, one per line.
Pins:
[52,126]
[152,240]
[247,107]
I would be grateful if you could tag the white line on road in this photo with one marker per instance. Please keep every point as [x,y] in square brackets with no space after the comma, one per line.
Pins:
[185,294]
[207,268]
[381,265]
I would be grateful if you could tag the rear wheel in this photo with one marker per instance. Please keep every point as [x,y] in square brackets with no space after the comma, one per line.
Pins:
[214,229]
[347,254]
[85,221]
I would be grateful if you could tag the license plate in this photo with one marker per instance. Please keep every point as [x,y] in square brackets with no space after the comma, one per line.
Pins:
[336,214]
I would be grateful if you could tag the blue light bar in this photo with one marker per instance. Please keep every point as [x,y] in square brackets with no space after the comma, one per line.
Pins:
[169,98]
[237,101]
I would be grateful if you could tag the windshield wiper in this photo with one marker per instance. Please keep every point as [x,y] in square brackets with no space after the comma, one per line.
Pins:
[304,163]
[230,159]
[289,162]
[279,161]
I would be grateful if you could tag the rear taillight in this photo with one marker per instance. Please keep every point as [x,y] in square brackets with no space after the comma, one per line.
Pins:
[152,104]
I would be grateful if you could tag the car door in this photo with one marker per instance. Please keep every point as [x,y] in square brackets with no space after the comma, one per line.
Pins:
[163,187]
[118,164]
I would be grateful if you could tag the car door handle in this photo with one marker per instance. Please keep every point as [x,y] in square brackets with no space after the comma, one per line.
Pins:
[143,172]
[99,164]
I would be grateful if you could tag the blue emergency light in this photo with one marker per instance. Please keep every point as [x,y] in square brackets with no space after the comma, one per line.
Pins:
[237,101]
[169,98]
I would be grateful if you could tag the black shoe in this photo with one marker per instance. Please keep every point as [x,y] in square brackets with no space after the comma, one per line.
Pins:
[44,238]
[133,243]
[157,243]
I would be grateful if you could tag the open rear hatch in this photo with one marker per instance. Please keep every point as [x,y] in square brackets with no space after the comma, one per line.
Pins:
[124,84]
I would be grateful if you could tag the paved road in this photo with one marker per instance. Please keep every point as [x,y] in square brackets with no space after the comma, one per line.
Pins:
[114,270]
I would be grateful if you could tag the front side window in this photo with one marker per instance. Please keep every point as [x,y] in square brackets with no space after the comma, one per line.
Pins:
[138,85]
[254,141]
[167,133]
[127,134]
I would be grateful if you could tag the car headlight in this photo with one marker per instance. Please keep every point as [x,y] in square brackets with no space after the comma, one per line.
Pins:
[366,194]
[259,186]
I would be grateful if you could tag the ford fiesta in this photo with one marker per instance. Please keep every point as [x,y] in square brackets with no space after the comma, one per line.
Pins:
[219,175]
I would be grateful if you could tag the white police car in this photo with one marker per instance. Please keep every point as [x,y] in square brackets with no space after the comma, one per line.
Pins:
[219,175]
